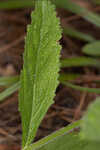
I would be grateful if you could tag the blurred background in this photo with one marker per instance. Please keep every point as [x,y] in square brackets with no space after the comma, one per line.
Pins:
[80,65]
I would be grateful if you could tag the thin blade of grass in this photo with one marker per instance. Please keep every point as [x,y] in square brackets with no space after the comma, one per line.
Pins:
[76,34]
[15,4]
[79,62]
[68,76]
[6,81]
[9,91]
[84,89]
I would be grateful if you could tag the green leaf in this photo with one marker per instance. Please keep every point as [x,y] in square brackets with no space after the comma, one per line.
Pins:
[92,49]
[64,139]
[84,89]
[9,91]
[15,4]
[70,142]
[6,81]
[76,34]
[79,62]
[40,70]
[68,76]
[91,122]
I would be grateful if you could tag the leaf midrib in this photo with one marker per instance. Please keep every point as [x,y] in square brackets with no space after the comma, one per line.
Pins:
[35,72]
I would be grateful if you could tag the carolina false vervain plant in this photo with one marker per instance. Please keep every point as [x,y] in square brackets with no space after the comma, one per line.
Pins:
[38,81]
[39,77]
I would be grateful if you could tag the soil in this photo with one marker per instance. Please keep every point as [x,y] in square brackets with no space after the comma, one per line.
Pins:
[69,104]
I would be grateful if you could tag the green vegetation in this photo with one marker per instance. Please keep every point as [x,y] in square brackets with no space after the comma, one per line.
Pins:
[39,77]
[39,72]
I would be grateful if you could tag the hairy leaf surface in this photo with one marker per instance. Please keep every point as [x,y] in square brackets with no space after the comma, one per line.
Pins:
[40,70]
